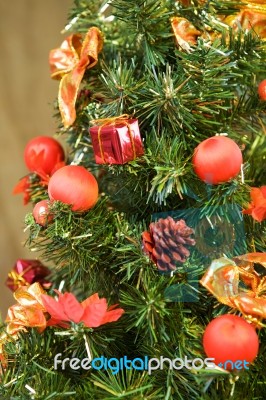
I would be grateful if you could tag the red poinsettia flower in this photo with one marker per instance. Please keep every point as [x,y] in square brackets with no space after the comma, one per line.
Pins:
[257,207]
[44,177]
[23,186]
[93,311]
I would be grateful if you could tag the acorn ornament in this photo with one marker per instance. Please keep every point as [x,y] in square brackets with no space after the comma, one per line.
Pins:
[217,160]
[74,185]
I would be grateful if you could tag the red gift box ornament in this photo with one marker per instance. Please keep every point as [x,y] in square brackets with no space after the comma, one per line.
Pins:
[116,140]
[26,272]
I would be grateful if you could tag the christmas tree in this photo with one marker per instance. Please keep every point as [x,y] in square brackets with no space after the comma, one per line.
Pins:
[149,224]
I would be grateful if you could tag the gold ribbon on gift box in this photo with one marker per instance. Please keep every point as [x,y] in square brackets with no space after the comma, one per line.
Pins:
[237,284]
[17,279]
[121,119]
[69,63]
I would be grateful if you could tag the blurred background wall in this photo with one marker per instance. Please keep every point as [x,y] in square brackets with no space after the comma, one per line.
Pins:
[29,29]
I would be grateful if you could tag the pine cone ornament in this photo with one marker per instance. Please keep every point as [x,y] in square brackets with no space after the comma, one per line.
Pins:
[166,242]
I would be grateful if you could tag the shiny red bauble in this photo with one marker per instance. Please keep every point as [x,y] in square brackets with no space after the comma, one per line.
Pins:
[41,212]
[217,160]
[262,90]
[74,185]
[42,153]
[230,338]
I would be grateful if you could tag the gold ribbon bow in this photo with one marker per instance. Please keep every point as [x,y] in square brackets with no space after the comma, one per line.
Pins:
[252,16]
[28,312]
[237,284]
[69,63]
[121,119]
[185,32]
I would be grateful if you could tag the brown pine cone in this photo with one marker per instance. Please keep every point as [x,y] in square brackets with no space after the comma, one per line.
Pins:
[166,242]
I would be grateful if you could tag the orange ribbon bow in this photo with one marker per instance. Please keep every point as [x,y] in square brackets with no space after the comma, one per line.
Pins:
[69,63]
[252,17]
[28,312]
[185,32]
[237,284]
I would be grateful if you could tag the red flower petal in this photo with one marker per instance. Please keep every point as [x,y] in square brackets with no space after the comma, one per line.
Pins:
[54,308]
[90,300]
[259,213]
[257,207]
[23,187]
[248,210]
[257,196]
[72,308]
[57,322]
[263,191]
[112,307]
[94,313]
[111,316]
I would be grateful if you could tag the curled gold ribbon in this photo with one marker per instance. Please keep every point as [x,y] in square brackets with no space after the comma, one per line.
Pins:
[69,63]
[225,279]
[28,312]
[121,119]
[185,32]
[251,17]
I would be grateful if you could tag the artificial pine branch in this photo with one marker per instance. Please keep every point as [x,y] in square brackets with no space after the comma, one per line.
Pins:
[180,97]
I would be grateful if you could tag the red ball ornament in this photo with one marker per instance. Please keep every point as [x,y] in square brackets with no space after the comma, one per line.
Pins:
[217,160]
[42,154]
[230,339]
[41,213]
[74,185]
[262,90]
